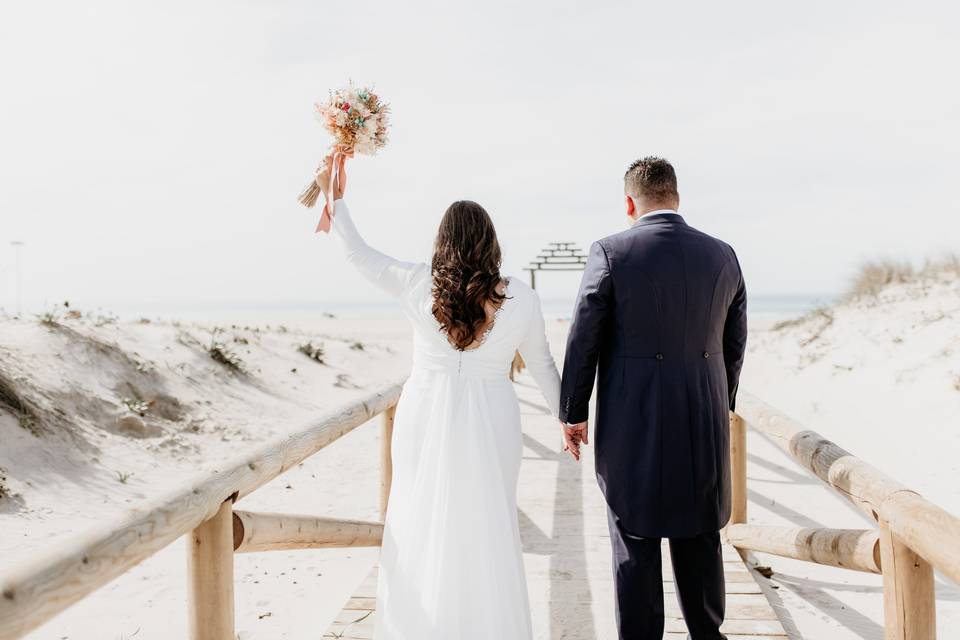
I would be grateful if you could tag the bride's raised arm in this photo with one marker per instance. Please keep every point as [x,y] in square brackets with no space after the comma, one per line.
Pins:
[536,354]
[390,274]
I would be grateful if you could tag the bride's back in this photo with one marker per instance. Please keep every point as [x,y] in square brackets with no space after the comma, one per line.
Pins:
[457,441]
[491,351]
[468,319]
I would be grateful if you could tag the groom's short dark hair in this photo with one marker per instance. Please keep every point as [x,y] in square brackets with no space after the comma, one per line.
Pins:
[652,179]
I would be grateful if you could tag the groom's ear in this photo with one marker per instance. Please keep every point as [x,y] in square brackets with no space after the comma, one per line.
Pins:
[631,207]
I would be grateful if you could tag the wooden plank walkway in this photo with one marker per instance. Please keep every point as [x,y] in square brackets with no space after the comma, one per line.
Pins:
[567,553]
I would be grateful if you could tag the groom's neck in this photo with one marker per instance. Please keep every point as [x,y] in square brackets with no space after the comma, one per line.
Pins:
[653,208]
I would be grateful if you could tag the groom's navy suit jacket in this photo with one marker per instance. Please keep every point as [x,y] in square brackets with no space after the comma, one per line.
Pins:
[662,311]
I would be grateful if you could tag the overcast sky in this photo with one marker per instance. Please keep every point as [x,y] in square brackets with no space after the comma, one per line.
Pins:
[152,152]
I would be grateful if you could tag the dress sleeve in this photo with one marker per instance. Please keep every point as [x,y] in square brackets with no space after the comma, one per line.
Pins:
[536,354]
[389,274]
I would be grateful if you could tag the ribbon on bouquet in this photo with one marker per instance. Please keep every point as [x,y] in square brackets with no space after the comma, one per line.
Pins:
[337,157]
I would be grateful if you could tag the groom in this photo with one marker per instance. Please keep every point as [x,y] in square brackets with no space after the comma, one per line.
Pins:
[662,314]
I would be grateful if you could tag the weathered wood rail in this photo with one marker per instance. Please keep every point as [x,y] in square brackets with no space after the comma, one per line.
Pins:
[913,536]
[38,588]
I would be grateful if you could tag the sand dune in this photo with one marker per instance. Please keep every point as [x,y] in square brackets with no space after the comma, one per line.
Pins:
[96,413]
[878,373]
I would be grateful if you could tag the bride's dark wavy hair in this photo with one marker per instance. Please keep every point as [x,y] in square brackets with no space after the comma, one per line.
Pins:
[466,272]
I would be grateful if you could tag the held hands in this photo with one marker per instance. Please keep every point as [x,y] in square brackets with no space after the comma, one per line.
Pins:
[573,435]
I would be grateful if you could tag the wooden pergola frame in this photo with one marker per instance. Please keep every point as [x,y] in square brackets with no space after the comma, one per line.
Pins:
[557,256]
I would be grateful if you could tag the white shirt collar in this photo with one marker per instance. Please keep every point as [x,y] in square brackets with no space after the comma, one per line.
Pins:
[655,213]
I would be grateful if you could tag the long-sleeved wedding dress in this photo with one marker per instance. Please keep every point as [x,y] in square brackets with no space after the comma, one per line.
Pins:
[451,566]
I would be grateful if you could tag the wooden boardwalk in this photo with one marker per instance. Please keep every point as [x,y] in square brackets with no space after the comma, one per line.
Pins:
[567,553]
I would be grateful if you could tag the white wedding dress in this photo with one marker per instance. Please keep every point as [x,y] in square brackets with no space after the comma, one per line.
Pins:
[451,566]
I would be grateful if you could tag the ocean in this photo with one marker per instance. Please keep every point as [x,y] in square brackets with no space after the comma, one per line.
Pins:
[765,308]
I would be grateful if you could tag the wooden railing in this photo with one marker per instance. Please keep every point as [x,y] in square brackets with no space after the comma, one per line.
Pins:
[35,590]
[913,536]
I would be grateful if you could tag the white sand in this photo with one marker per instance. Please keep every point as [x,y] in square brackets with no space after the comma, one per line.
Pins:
[879,381]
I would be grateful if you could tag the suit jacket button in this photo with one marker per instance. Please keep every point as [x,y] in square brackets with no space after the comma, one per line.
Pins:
[706,355]
[659,356]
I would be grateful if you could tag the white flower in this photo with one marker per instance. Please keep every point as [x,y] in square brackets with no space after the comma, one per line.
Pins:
[341,118]
[365,145]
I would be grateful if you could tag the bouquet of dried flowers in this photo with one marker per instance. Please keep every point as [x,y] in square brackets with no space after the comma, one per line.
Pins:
[358,121]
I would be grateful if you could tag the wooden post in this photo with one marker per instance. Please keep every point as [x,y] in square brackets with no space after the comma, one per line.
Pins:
[386,458]
[738,469]
[210,577]
[930,531]
[909,604]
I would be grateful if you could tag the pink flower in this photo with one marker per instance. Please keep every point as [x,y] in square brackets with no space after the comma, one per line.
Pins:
[346,106]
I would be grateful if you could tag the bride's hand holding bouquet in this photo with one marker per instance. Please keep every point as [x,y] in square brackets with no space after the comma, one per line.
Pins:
[333,171]
[359,122]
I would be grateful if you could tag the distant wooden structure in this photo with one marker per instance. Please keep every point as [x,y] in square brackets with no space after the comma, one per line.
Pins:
[557,256]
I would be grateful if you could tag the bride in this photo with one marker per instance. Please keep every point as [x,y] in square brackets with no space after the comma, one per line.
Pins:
[451,566]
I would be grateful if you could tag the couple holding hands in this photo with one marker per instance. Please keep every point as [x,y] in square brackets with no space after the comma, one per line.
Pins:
[659,324]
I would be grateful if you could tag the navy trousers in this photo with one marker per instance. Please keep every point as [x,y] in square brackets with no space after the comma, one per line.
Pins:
[698,575]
